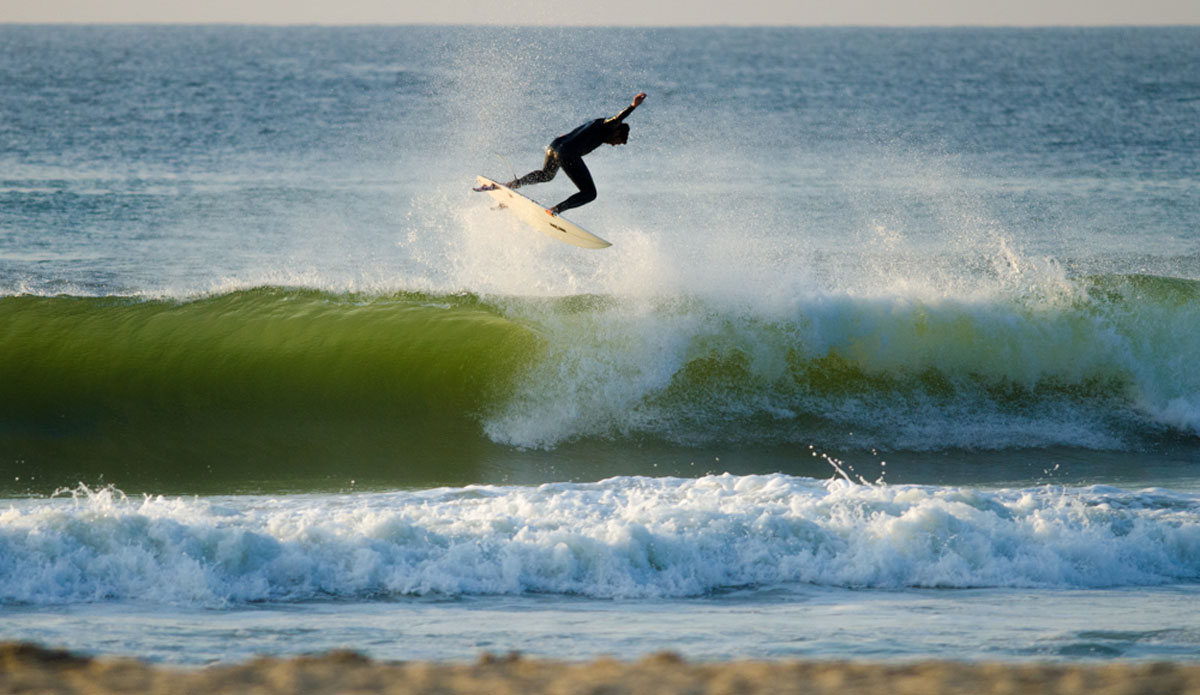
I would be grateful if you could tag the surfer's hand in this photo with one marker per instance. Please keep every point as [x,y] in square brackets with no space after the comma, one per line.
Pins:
[639,98]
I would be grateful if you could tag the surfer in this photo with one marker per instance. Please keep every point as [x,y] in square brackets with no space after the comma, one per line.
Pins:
[566,152]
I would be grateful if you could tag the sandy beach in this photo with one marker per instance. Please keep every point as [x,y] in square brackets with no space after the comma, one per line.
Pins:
[26,668]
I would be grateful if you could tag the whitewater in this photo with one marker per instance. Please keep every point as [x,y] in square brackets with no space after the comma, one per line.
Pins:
[618,538]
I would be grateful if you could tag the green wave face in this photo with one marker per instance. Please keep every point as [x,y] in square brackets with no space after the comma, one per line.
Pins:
[294,385]
[257,384]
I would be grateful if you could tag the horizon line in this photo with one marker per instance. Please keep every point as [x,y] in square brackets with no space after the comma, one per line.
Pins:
[568,25]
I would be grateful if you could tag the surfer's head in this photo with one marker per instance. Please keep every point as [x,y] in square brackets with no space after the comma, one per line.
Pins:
[620,136]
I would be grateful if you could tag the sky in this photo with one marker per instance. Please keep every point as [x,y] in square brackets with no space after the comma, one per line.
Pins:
[611,12]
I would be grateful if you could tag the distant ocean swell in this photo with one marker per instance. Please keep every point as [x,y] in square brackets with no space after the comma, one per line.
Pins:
[1112,361]
[622,537]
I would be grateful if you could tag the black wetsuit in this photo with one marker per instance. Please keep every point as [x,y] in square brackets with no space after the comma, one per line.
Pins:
[566,152]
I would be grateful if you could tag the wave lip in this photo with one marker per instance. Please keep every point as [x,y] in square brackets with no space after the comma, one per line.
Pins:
[622,537]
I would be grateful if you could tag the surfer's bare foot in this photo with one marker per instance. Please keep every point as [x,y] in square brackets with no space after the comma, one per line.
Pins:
[553,212]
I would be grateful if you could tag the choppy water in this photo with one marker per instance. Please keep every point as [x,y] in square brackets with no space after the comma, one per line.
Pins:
[892,357]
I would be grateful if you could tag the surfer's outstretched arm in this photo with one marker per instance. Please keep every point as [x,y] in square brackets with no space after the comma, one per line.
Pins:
[637,100]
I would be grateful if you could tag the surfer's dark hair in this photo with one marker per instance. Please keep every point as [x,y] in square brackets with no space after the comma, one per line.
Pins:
[623,130]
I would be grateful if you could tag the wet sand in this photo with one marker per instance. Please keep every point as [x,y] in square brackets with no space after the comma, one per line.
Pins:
[29,669]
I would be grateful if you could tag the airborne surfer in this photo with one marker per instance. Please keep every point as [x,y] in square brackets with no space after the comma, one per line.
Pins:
[566,152]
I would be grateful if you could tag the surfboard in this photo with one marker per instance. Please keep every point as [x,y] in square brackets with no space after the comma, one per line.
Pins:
[534,214]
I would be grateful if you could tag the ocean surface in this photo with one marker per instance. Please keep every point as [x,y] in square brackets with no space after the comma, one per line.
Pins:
[896,354]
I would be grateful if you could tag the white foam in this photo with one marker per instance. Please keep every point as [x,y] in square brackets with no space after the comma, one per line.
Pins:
[623,537]
[1073,366]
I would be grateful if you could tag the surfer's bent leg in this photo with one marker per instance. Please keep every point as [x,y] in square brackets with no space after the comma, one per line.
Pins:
[578,172]
[547,172]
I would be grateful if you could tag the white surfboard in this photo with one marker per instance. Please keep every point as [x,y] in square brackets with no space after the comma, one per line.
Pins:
[534,214]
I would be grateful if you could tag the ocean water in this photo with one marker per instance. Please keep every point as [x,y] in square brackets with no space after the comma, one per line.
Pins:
[894,355]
